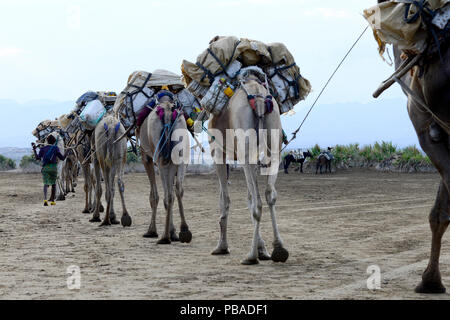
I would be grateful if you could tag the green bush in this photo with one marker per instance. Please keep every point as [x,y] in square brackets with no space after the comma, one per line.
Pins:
[384,151]
[26,160]
[315,151]
[346,154]
[132,157]
[379,152]
[413,157]
[6,163]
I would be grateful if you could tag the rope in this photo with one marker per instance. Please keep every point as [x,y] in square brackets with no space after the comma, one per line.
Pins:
[158,150]
[294,134]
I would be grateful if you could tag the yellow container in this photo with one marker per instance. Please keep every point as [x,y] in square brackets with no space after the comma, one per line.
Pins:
[229,92]
[190,122]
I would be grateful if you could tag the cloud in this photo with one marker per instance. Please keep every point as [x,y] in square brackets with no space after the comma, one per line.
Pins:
[8,52]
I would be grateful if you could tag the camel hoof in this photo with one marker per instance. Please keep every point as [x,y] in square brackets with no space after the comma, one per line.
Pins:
[220,251]
[174,237]
[102,209]
[95,219]
[185,236]
[151,234]
[105,223]
[249,262]
[430,287]
[164,241]
[114,221]
[126,220]
[264,256]
[61,198]
[280,254]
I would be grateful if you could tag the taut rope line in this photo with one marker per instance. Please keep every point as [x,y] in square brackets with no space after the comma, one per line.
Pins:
[294,134]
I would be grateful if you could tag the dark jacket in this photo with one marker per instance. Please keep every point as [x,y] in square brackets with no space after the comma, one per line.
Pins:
[50,154]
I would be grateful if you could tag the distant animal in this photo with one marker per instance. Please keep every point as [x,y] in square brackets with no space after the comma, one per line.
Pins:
[290,158]
[324,160]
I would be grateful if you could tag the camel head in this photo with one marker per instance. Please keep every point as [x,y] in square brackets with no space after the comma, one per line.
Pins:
[171,118]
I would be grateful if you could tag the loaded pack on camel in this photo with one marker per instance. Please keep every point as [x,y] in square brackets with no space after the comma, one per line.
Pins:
[420,34]
[44,128]
[141,95]
[213,79]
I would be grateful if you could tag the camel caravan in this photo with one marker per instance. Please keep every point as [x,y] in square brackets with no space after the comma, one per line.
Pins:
[240,88]
[236,85]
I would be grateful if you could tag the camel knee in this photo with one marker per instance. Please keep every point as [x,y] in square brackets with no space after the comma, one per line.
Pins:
[154,198]
[226,202]
[121,185]
[257,212]
[168,201]
[179,191]
[271,197]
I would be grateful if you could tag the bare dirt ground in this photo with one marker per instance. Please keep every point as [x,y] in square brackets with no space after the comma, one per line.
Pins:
[334,227]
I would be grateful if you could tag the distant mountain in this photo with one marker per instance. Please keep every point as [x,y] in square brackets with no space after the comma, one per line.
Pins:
[346,123]
[15,154]
[18,120]
[328,124]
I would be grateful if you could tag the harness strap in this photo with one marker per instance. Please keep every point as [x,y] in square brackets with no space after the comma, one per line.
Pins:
[208,73]
[130,95]
[427,15]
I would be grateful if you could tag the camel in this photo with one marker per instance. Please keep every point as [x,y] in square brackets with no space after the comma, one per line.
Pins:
[83,150]
[433,88]
[110,157]
[70,170]
[153,141]
[239,114]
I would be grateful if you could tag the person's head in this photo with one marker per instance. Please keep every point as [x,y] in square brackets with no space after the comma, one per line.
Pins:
[51,140]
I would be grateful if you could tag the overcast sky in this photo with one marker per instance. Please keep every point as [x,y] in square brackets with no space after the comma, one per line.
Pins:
[55,49]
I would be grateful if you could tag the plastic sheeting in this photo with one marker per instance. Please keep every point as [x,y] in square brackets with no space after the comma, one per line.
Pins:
[92,114]
[272,57]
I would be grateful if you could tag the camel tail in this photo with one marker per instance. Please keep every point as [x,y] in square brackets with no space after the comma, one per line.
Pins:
[111,132]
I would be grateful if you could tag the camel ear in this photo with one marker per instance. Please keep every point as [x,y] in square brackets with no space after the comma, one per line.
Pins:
[214,39]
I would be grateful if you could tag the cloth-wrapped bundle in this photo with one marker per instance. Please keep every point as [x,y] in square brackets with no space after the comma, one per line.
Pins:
[226,55]
[405,24]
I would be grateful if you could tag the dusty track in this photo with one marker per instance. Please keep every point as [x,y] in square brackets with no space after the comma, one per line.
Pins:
[334,226]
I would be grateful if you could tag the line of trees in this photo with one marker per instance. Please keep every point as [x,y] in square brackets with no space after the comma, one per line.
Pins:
[367,155]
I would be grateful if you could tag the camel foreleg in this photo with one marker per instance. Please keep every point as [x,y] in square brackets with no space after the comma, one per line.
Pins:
[224,204]
[153,198]
[185,235]
[256,212]
[279,254]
